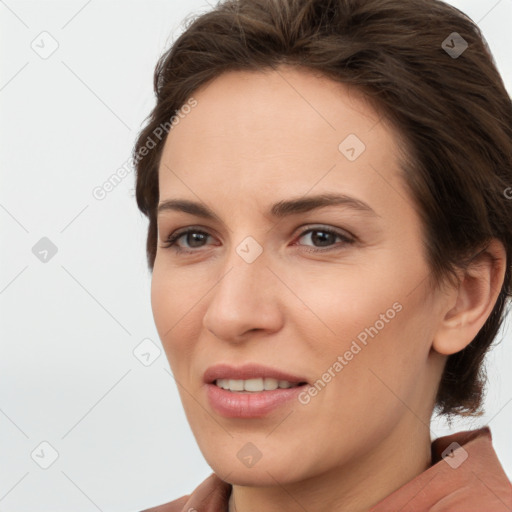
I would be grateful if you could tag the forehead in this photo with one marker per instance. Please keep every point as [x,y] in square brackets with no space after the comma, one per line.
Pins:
[278,131]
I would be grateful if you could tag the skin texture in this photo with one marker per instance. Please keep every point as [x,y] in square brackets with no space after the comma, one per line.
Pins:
[255,139]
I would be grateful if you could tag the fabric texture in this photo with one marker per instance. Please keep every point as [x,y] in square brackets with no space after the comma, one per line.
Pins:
[465,476]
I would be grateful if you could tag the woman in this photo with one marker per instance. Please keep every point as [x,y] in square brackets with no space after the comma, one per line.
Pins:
[327,184]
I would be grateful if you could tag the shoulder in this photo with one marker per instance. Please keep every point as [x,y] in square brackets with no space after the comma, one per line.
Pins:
[465,474]
[211,494]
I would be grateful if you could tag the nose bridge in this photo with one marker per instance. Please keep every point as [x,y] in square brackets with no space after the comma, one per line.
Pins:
[244,297]
[245,266]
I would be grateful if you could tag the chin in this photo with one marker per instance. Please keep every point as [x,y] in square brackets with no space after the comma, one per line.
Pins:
[254,461]
[260,475]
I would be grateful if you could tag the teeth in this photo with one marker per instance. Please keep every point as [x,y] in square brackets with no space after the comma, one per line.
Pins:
[253,385]
[236,385]
[270,383]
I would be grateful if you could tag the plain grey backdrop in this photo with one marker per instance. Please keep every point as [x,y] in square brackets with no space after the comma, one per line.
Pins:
[90,417]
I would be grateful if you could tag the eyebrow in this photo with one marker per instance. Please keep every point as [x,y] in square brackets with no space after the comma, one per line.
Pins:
[280,209]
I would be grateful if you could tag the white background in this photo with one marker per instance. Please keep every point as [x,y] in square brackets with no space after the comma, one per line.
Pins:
[69,326]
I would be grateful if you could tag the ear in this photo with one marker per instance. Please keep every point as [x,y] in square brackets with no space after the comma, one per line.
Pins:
[469,305]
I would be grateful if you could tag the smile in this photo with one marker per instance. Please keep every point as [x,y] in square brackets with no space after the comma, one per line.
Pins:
[254,385]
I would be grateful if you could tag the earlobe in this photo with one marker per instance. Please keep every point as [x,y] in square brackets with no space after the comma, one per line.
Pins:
[475,297]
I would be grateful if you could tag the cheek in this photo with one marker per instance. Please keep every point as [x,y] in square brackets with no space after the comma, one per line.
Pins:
[345,304]
[369,317]
[171,293]
[167,307]
[384,355]
[177,314]
[161,302]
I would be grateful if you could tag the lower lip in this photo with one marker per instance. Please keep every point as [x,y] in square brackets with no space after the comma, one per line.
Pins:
[233,404]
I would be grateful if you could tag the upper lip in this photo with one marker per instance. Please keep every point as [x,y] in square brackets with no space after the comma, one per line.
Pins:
[248,371]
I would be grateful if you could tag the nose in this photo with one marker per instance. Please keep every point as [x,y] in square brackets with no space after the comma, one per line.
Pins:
[246,299]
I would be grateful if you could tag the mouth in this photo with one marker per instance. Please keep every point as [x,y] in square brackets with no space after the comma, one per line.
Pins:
[256,385]
[251,378]
[251,390]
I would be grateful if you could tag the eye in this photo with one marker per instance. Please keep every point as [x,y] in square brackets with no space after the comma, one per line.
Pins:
[325,237]
[195,238]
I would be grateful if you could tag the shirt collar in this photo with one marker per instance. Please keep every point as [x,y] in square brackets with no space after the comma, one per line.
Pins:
[465,474]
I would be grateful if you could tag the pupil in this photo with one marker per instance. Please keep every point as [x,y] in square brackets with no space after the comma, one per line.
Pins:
[322,238]
[195,236]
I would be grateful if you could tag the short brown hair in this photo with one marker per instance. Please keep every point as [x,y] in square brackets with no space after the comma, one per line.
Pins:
[453,111]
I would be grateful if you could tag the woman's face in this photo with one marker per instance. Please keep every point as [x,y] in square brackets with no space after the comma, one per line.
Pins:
[334,296]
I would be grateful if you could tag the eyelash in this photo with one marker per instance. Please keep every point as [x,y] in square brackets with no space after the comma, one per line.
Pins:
[173,238]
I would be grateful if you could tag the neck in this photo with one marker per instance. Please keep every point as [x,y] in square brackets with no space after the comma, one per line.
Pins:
[354,487]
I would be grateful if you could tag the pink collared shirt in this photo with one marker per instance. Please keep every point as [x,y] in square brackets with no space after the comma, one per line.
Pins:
[470,479]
